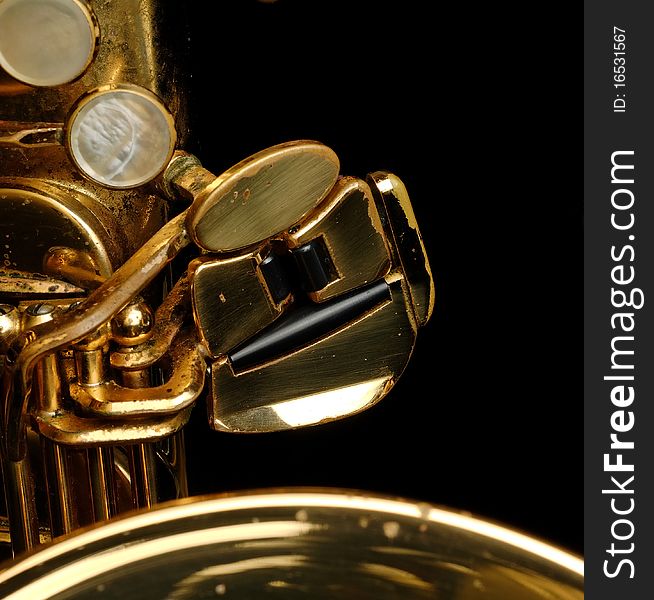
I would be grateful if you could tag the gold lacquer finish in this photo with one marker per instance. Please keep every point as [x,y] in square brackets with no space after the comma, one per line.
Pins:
[132,326]
[10,325]
[300,544]
[351,369]
[36,217]
[353,333]
[109,399]
[266,193]
[169,319]
[128,270]
[349,226]
[228,291]
[63,235]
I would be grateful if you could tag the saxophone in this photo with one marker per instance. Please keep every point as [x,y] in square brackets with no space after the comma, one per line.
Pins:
[135,284]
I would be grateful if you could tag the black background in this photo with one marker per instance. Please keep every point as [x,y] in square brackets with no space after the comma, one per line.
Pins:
[473,112]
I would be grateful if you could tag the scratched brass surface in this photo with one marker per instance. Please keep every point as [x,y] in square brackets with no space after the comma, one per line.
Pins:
[351,229]
[336,376]
[35,217]
[231,301]
[169,318]
[263,195]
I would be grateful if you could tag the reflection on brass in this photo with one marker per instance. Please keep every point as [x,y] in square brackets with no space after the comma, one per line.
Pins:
[99,386]
[283,165]
[231,300]
[350,370]
[141,467]
[49,213]
[93,386]
[69,429]
[286,543]
[28,135]
[515,584]
[73,265]
[95,311]
[133,324]
[89,365]
[350,227]
[407,245]
[38,216]
[10,326]
[101,476]
[353,364]
[61,502]
[21,504]
[168,319]
[266,193]
[5,538]
[109,399]
[90,353]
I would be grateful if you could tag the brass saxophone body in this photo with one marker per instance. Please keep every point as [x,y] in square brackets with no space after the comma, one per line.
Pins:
[105,347]
[63,235]
[136,285]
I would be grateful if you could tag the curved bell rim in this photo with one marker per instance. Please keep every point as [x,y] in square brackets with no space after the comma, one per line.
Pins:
[298,543]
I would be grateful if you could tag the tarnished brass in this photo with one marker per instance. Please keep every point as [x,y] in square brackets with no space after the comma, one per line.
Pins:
[83,232]
[316,544]
[19,284]
[351,229]
[47,383]
[351,369]
[169,318]
[231,291]
[109,399]
[71,430]
[37,216]
[75,266]
[280,164]
[303,292]
[95,311]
